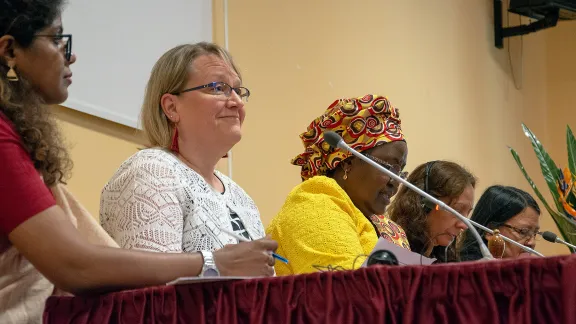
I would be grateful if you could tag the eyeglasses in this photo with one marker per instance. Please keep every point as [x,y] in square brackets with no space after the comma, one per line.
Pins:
[220,88]
[525,233]
[396,169]
[64,42]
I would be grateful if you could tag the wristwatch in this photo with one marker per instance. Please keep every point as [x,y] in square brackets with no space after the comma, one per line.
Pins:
[209,268]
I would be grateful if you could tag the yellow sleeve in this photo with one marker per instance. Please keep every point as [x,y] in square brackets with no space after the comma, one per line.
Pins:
[317,229]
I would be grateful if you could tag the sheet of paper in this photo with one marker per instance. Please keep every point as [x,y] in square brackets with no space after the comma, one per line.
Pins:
[404,256]
[191,280]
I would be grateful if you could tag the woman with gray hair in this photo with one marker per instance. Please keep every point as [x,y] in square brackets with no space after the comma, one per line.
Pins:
[171,198]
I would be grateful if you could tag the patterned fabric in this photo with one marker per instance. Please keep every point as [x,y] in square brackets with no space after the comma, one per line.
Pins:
[363,123]
[390,230]
[319,226]
[238,226]
[156,202]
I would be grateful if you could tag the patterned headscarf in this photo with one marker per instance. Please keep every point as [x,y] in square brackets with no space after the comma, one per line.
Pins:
[363,123]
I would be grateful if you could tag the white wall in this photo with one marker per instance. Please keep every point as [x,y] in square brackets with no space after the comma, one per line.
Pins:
[118,42]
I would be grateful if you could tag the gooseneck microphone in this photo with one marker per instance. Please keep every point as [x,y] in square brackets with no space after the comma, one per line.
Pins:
[552,237]
[336,141]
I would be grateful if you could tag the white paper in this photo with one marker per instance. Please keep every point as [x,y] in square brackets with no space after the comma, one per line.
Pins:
[404,256]
[191,280]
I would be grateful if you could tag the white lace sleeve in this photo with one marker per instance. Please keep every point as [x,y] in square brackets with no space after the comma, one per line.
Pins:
[140,207]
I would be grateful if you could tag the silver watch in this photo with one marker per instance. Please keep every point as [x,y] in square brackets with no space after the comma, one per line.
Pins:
[209,268]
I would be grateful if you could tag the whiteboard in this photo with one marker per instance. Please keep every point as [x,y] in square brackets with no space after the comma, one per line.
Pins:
[117,43]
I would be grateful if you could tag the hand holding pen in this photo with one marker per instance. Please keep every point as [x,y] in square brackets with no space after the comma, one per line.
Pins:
[252,259]
[243,239]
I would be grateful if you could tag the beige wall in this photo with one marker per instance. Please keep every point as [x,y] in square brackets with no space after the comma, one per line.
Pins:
[98,147]
[435,60]
[561,84]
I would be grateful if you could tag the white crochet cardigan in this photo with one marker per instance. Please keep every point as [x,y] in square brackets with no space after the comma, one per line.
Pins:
[155,202]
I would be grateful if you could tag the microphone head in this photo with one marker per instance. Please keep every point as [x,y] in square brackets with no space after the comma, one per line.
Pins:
[549,236]
[383,257]
[332,138]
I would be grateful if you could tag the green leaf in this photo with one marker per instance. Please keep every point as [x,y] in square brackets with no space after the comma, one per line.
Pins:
[571,144]
[549,168]
[571,199]
[566,226]
[532,184]
[571,148]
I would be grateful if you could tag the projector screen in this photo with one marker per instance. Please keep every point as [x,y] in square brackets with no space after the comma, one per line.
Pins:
[117,43]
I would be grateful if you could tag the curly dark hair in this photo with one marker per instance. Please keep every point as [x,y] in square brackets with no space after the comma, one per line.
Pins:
[20,103]
[446,179]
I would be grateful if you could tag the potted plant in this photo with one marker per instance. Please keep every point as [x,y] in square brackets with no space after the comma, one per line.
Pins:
[561,183]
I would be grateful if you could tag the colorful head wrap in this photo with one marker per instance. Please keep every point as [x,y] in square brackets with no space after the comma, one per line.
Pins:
[363,123]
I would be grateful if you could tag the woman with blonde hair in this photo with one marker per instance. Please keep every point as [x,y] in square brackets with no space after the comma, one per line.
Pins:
[171,198]
[47,240]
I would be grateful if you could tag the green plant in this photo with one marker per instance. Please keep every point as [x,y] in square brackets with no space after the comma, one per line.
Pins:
[561,183]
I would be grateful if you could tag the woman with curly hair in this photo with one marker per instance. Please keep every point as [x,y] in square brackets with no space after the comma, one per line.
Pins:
[431,232]
[40,247]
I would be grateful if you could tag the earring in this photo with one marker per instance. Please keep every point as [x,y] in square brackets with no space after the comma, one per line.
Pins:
[174,145]
[345,177]
[496,245]
[11,75]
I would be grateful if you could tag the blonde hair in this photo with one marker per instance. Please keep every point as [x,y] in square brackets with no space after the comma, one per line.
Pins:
[169,75]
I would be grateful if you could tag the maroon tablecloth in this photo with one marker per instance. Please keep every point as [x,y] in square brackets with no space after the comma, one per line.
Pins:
[534,290]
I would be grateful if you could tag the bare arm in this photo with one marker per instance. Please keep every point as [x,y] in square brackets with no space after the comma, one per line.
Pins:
[52,244]
[45,236]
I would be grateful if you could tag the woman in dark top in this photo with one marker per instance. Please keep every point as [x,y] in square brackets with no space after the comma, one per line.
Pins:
[510,210]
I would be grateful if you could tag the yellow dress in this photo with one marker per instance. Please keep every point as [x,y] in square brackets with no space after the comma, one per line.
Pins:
[320,226]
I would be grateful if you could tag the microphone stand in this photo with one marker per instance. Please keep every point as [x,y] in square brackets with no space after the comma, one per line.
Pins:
[336,141]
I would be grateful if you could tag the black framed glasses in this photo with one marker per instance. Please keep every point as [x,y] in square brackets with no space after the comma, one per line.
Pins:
[64,43]
[220,88]
[525,233]
[396,169]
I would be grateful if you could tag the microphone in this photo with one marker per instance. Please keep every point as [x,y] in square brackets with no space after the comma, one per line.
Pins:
[336,141]
[383,257]
[552,237]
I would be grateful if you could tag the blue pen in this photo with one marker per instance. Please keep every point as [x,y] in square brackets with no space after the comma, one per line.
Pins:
[243,239]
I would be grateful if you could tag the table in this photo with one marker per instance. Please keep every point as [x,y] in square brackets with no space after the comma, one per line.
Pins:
[531,290]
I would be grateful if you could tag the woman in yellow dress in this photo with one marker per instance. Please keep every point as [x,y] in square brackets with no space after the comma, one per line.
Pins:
[336,213]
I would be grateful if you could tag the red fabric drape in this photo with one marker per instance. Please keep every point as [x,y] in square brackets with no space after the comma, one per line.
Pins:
[533,290]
